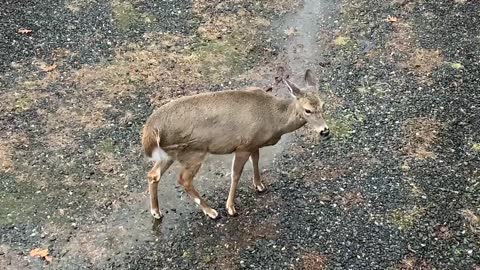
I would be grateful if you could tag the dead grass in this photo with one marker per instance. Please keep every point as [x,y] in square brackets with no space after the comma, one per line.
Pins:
[444,232]
[88,117]
[422,134]
[404,219]
[12,259]
[6,162]
[160,66]
[229,37]
[7,150]
[281,6]
[22,98]
[109,164]
[402,45]
[412,263]
[416,191]
[401,40]
[60,138]
[352,199]
[332,174]
[329,172]
[423,61]
[161,63]
[64,123]
[314,261]
[76,5]
[472,220]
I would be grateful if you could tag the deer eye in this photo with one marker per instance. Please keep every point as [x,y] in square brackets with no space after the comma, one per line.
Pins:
[308,111]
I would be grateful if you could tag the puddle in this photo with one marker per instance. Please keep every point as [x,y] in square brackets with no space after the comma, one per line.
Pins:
[303,47]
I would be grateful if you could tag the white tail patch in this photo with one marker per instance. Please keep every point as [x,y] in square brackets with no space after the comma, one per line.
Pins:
[159,155]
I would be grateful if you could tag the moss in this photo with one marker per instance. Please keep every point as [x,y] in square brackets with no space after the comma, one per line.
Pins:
[405,219]
[30,85]
[187,255]
[219,60]
[23,103]
[456,66]
[476,147]
[19,207]
[207,259]
[107,146]
[342,41]
[126,16]
[343,127]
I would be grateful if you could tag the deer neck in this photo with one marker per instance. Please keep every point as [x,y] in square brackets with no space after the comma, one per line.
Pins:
[291,120]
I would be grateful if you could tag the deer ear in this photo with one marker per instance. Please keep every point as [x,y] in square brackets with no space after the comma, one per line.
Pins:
[294,90]
[310,78]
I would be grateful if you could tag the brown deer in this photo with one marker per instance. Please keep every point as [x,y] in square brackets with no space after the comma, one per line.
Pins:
[240,122]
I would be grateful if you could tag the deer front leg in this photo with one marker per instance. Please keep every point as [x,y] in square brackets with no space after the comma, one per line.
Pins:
[257,182]
[154,176]
[237,167]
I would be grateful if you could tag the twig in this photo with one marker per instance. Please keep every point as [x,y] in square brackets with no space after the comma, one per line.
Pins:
[449,190]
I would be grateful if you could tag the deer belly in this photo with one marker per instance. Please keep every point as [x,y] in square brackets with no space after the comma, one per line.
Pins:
[272,141]
[230,145]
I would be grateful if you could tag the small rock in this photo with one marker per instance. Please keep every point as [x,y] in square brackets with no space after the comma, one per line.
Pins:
[325,197]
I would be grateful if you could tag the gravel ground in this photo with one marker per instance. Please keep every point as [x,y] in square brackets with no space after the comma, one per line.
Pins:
[397,187]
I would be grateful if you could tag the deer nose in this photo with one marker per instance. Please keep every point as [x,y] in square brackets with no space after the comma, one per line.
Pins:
[325,132]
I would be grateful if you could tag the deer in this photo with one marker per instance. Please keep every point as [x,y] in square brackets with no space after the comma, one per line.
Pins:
[241,122]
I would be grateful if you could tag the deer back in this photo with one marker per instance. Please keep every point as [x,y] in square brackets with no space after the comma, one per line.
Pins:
[223,122]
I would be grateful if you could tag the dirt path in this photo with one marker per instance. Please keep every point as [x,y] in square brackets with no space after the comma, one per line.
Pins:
[396,188]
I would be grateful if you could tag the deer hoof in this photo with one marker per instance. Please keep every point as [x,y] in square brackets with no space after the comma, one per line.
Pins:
[260,188]
[156,214]
[232,212]
[211,213]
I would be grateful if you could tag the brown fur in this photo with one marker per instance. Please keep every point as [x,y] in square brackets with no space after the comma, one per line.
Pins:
[220,122]
[224,122]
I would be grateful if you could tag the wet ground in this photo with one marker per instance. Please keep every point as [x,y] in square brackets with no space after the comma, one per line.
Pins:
[397,187]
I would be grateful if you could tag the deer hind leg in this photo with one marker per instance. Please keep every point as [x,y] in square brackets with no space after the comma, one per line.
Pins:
[154,176]
[190,169]
[237,167]
[257,182]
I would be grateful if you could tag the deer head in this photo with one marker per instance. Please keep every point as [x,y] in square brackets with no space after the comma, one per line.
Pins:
[309,106]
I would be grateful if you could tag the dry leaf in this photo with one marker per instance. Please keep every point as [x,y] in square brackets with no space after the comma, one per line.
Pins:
[341,41]
[42,253]
[49,68]
[391,19]
[24,31]
[39,252]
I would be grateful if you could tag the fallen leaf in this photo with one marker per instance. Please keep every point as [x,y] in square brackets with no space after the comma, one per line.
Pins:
[24,31]
[476,147]
[49,68]
[391,19]
[456,65]
[341,41]
[42,253]
[39,252]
